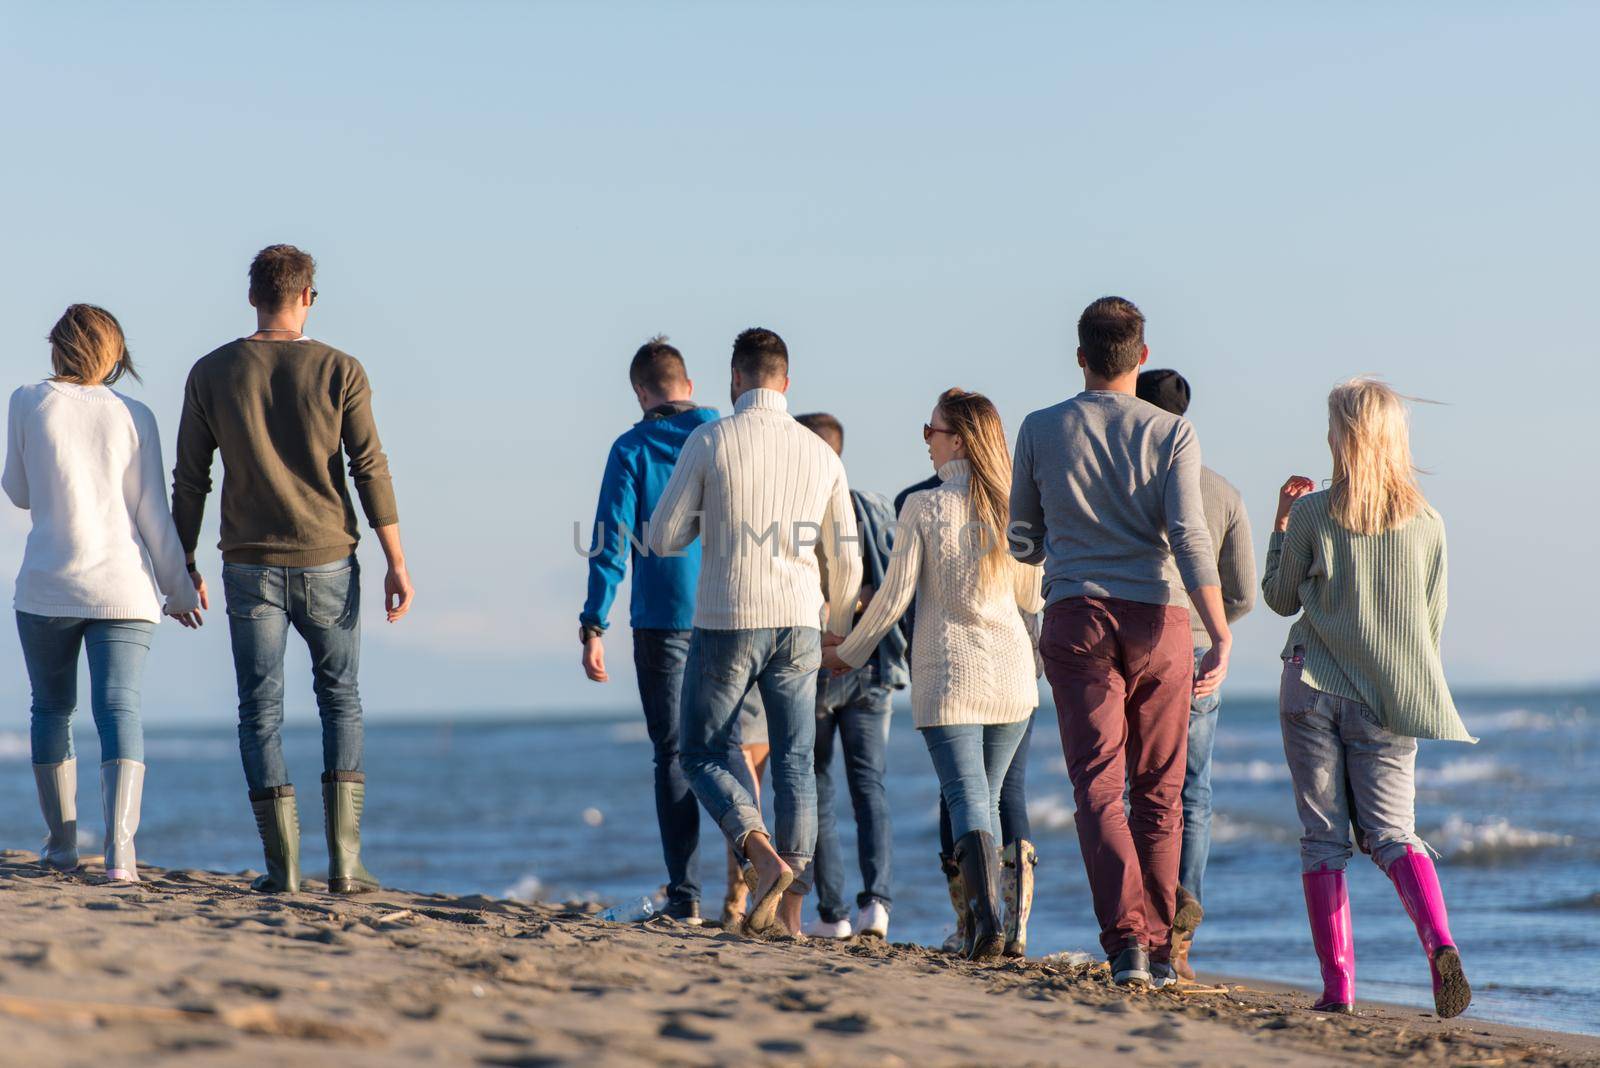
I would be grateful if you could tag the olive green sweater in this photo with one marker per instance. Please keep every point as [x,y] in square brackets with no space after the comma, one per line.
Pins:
[1371,614]
[287,417]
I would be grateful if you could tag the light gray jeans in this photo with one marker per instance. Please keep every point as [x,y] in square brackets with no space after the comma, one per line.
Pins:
[1347,769]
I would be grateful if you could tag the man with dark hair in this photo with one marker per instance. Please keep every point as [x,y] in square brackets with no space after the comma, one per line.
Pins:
[856,707]
[1106,492]
[661,606]
[1229,528]
[760,355]
[287,412]
[770,503]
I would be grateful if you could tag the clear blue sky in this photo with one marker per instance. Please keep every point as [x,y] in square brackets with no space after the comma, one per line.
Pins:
[505,199]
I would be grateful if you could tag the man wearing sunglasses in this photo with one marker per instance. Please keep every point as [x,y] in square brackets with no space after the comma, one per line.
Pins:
[287,413]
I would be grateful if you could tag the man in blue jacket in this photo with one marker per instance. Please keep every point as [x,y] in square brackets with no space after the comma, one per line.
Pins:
[662,604]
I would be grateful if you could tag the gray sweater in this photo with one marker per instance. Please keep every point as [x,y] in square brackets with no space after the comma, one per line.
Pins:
[1236,555]
[1105,491]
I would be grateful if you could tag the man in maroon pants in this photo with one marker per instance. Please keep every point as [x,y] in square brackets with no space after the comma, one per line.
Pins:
[1106,492]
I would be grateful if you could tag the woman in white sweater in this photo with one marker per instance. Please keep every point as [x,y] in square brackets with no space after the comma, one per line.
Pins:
[973,687]
[86,463]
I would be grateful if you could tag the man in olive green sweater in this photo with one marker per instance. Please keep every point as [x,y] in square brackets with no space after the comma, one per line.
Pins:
[287,413]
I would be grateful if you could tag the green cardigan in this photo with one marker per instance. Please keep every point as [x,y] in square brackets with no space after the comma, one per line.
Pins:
[1371,613]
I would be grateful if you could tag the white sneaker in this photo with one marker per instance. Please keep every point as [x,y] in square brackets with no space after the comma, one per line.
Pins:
[824,929]
[872,920]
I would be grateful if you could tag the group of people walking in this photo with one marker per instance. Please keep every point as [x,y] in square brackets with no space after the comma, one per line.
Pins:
[106,557]
[775,610]
[766,591]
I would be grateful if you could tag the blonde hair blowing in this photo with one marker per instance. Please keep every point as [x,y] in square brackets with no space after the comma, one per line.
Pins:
[1374,481]
[87,347]
[976,421]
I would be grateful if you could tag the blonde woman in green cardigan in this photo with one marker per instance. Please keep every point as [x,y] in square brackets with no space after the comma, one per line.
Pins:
[1363,562]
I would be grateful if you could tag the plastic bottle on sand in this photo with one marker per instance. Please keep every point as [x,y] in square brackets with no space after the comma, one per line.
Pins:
[629,912]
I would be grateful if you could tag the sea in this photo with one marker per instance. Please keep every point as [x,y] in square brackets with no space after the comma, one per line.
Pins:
[561,808]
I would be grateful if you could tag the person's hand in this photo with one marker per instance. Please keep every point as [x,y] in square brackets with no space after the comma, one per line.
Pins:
[830,639]
[1212,669]
[397,592]
[1297,486]
[831,661]
[594,659]
[189,619]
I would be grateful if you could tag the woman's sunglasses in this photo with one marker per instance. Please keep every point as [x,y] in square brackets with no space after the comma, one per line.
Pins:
[929,430]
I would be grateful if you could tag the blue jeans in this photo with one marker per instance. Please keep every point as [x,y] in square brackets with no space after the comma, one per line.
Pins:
[782,662]
[658,660]
[116,649]
[971,760]
[1014,825]
[323,604]
[1203,712]
[858,709]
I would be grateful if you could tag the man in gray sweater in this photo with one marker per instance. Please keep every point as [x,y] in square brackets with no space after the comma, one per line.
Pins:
[1229,527]
[1106,493]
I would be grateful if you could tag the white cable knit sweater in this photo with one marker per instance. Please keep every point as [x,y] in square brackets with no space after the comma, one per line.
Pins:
[768,500]
[971,660]
[86,463]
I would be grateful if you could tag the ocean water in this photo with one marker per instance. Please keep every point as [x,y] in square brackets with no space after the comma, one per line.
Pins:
[563,809]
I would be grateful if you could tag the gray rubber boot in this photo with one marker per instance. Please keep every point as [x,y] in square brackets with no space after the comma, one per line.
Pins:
[344,795]
[58,800]
[279,824]
[121,794]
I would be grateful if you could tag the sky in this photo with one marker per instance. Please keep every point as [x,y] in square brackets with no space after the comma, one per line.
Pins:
[505,199]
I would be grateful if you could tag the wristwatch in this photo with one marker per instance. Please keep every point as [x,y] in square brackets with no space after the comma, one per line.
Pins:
[587,631]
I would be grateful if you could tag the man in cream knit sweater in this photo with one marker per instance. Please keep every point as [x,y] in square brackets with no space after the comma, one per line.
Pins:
[770,503]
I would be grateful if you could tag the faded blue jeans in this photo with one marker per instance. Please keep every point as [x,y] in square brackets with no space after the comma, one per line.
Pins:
[971,760]
[782,662]
[856,708]
[323,605]
[658,660]
[1347,769]
[1203,713]
[116,649]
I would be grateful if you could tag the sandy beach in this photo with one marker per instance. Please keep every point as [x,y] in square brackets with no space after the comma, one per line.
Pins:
[191,968]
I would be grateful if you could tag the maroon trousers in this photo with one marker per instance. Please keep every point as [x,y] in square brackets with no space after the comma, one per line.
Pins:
[1121,673]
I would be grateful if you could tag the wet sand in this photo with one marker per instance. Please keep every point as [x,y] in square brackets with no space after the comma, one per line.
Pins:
[191,968]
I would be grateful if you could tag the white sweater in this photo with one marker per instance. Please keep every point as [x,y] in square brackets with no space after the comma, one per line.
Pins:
[971,660]
[768,498]
[85,461]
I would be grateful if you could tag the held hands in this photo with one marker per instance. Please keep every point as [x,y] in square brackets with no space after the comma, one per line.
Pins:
[830,655]
[1296,487]
[594,659]
[192,619]
[1212,669]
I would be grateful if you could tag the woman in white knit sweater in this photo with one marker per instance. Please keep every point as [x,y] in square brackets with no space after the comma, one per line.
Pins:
[973,686]
[86,463]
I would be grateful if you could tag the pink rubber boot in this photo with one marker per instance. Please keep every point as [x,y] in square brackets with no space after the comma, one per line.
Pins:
[1418,884]
[1328,908]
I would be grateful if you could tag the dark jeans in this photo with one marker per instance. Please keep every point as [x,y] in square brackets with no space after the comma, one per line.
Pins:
[116,648]
[658,660]
[723,666]
[1203,713]
[323,605]
[1014,825]
[857,709]
[1122,673]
